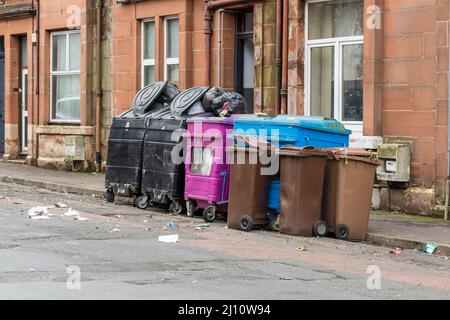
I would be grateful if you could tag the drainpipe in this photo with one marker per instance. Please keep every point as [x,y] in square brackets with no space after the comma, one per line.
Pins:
[284,73]
[207,17]
[210,7]
[219,44]
[278,60]
[447,182]
[37,77]
[98,91]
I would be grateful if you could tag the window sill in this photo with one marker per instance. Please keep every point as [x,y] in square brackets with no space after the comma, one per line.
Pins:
[66,129]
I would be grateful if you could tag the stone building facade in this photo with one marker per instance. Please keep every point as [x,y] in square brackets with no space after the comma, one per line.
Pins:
[380,66]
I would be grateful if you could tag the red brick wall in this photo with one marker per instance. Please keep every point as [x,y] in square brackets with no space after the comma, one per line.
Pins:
[415,94]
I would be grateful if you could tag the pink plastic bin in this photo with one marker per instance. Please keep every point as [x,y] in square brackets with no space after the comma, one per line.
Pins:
[207,172]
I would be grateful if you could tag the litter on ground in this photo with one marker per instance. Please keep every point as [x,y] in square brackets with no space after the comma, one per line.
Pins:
[430,247]
[396,251]
[72,213]
[173,238]
[78,218]
[37,211]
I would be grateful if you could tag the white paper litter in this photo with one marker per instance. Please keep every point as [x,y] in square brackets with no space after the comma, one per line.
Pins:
[168,239]
[40,217]
[37,211]
[80,219]
[72,213]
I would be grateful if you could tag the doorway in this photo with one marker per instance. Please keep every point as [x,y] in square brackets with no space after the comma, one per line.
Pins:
[245,67]
[24,95]
[2,95]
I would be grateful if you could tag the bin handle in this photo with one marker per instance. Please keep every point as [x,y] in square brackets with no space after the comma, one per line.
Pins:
[247,141]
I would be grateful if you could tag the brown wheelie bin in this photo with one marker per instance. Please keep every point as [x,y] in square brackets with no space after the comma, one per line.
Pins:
[302,178]
[249,189]
[349,179]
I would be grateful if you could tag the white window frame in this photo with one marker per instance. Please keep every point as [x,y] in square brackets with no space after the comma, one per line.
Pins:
[147,62]
[62,73]
[170,61]
[338,44]
[24,102]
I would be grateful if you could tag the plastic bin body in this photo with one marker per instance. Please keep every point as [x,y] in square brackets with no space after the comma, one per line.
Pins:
[124,162]
[208,183]
[162,178]
[248,189]
[302,180]
[348,194]
[298,131]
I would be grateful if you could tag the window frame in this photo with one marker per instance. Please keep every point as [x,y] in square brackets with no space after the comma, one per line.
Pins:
[67,72]
[337,44]
[170,61]
[147,62]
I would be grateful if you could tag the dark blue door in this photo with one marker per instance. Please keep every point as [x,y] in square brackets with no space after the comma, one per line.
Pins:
[2,97]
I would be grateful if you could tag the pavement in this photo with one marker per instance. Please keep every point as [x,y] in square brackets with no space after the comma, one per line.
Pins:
[115,254]
[386,229]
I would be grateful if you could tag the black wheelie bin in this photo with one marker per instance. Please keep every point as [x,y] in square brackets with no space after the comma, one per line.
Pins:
[162,174]
[126,140]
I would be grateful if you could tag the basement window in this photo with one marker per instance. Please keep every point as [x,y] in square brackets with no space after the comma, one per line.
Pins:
[148,52]
[65,76]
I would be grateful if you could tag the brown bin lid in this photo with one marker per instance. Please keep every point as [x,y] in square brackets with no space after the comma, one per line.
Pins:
[354,154]
[303,152]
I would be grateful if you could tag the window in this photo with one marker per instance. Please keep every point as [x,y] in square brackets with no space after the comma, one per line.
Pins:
[65,76]
[148,52]
[334,54]
[171,51]
[202,160]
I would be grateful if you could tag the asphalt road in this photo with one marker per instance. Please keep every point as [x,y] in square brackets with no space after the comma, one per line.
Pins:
[119,257]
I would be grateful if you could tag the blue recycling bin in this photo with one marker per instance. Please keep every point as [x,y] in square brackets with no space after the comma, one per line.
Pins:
[299,131]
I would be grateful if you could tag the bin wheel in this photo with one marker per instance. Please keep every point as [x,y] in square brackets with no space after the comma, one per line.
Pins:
[176,207]
[246,223]
[190,208]
[342,231]
[141,202]
[110,196]
[320,228]
[273,223]
[209,214]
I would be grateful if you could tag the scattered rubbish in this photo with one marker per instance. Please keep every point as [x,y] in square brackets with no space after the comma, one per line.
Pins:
[17,202]
[145,221]
[168,239]
[119,216]
[37,211]
[40,217]
[60,205]
[396,251]
[285,278]
[302,248]
[202,226]
[115,230]
[170,225]
[78,218]
[430,247]
[72,213]
[148,229]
